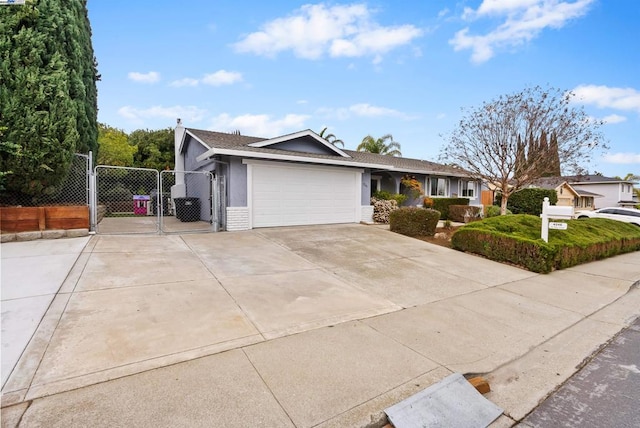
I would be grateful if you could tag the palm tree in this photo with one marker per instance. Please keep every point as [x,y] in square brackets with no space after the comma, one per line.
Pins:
[330,137]
[380,145]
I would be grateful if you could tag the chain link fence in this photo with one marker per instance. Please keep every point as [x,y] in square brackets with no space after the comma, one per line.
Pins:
[73,190]
[126,200]
[191,209]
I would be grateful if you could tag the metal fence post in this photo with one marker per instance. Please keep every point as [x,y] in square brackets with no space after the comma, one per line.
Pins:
[92,194]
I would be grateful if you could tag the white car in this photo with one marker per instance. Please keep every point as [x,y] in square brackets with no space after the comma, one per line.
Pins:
[629,215]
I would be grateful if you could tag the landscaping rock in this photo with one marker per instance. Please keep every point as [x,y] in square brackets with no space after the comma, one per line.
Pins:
[28,236]
[77,233]
[7,237]
[53,234]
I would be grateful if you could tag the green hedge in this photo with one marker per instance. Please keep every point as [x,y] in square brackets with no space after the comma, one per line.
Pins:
[442,205]
[388,196]
[516,239]
[529,200]
[412,221]
[493,210]
[464,213]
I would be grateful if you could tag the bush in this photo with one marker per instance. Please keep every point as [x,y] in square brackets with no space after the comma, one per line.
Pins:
[493,211]
[382,208]
[516,239]
[116,193]
[412,221]
[388,196]
[464,213]
[528,201]
[442,205]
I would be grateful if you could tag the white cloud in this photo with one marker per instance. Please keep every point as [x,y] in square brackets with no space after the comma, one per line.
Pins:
[187,113]
[187,81]
[614,118]
[150,77]
[523,21]
[608,97]
[222,77]
[367,110]
[360,110]
[622,158]
[260,125]
[314,31]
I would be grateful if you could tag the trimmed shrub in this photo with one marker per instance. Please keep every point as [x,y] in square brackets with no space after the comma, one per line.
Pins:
[516,239]
[388,196]
[382,208]
[412,221]
[529,200]
[464,213]
[442,205]
[493,211]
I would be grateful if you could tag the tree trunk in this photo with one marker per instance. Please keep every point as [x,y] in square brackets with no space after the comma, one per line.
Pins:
[503,204]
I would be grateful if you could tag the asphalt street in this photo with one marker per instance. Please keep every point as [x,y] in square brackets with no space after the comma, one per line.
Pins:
[604,393]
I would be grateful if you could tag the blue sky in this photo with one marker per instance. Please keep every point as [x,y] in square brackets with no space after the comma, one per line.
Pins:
[377,67]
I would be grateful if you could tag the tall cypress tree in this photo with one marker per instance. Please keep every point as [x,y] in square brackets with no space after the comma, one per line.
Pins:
[554,156]
[48,96]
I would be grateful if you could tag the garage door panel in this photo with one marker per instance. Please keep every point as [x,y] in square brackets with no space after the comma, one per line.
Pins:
[286,196]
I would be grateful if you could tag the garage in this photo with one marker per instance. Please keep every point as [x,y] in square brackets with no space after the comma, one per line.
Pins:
[285,194]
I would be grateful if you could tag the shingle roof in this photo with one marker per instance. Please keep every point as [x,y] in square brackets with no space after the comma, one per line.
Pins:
[548,182]
[593,179]
[223,140]
[582,192]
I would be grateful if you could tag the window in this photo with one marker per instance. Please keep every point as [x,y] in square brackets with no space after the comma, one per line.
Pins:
[467,189]
[439,187]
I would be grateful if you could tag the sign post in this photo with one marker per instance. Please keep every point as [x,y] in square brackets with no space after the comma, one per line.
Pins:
[553,211]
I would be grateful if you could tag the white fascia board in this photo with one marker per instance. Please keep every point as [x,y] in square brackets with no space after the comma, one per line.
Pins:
[320,161]
[205,145]
[276,156]
[305,133]
[575,193]
[295,165]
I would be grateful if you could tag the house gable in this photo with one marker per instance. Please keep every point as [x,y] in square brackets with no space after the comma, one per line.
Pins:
[303,142]
[187,138]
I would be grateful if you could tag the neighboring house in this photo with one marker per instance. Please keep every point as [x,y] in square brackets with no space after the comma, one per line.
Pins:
[301,179]
[568,195]
[615,191]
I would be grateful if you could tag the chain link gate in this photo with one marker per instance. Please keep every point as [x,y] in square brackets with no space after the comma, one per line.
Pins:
[124,200]
[191,206]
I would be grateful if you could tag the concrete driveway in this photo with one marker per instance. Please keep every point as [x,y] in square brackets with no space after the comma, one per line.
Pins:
[135,303]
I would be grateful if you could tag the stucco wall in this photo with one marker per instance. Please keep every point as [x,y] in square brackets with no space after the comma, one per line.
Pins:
[237,182]
[193,149]
[612,193]
[366,188]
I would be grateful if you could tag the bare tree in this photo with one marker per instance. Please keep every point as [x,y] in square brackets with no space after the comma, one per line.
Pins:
[489,140]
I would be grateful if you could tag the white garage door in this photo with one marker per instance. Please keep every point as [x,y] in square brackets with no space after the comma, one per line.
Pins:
[289,195]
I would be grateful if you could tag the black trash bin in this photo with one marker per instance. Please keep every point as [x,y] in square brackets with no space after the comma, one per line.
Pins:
[187,209]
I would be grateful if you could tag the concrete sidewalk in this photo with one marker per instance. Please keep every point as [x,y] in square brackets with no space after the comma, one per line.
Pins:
[315,326]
